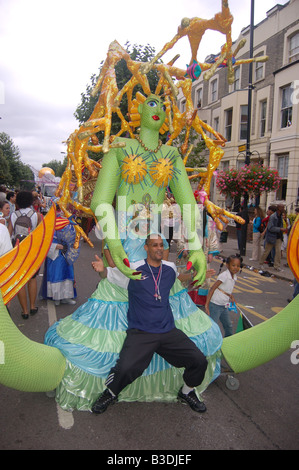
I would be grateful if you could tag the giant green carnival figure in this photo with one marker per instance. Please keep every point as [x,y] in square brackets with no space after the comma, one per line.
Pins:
[159,166]
[137,174]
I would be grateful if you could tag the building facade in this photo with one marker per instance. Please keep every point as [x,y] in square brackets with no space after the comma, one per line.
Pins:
[274,133]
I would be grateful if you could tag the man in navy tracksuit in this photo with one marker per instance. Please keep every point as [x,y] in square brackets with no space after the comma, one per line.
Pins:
[151,329]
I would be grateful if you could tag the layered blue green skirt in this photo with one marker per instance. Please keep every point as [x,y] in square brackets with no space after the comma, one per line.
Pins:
[92,337]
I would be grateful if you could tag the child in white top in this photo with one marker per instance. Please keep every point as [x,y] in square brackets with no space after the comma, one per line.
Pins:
[220,294]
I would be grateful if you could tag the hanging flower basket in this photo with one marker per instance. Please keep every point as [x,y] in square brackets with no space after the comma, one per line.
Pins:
[253,179]
[227,182]
[257,179]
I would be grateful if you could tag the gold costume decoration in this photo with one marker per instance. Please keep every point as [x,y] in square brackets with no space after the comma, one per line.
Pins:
[134,169]
[22,262]
[171,81]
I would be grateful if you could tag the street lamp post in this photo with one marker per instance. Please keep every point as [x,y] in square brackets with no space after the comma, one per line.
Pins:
[243,237]
[250,86]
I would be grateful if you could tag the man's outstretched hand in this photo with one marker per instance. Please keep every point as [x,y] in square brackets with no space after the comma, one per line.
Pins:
[98,265]
[121,262]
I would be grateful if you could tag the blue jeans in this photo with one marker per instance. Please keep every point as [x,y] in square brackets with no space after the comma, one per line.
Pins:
[220,312]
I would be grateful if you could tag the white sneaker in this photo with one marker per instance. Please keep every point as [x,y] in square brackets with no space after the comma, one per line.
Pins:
[68,301]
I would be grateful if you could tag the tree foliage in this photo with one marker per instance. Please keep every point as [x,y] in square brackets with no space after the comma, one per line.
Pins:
[13,172]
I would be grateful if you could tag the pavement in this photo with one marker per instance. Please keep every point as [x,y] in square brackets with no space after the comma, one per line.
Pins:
[231,247]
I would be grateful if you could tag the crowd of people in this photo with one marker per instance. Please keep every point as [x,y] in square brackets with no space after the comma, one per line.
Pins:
[20,213]
[270,232]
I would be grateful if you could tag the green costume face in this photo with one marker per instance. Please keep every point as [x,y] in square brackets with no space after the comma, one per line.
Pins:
[152,112]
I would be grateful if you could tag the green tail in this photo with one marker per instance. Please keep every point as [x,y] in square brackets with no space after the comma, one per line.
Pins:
[262,343]
[24,364]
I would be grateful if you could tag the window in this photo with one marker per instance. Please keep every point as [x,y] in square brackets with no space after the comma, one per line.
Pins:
[228,124]
[283,169]
[216,124]
[259,71]
[286,106]
[214,90]
[243,122]
[263,118]
[183,105]
[199,98]
[225,165]
[237,83]
[294,47]
[283,166]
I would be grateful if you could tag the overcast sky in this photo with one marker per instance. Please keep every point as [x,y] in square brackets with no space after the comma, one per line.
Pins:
[50,49]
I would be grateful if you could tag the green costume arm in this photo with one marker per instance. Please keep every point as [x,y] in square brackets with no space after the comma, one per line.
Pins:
[184,197]
[101,204]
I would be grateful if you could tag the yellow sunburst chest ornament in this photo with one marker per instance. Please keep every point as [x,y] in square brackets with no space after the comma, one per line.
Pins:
[161,172]
[134,169]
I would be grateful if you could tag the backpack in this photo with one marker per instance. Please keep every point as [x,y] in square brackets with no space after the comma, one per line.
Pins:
[261,227]
[23,225]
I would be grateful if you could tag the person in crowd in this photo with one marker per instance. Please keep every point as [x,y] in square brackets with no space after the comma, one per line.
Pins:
[171,216]
[30,220]
[211,249]
[59,277]
[270,258]
[5,241]
[151,329]
[256,234]
[11,198]
[2,193]
[220,294]
[39,205]
[4,212]
[287,225]
[273,238]
[5,246]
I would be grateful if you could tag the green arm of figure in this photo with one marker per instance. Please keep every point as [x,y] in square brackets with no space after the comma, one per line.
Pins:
[101,204]
[184,197]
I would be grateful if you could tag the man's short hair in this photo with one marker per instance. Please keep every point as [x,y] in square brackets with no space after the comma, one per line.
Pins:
[152,235]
